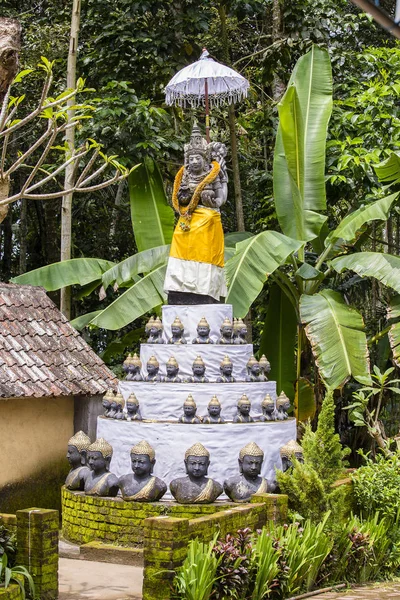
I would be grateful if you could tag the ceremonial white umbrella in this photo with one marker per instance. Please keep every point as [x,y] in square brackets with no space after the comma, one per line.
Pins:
[206,82]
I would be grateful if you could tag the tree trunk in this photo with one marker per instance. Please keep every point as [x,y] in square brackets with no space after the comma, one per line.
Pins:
[278,86]
[7,247]
[66,212]
[10,46]
[232,129]
[115,212]
[22,236]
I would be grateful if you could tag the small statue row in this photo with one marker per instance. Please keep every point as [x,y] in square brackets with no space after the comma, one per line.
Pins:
[231,333]
[142,486]
[114,405]
[256,370]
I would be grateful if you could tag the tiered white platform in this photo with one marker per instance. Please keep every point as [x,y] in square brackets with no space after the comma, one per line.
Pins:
[161,405]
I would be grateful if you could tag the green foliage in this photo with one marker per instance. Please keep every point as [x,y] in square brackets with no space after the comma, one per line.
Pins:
[16,574]
[264,564]
[8,544]
[195,578]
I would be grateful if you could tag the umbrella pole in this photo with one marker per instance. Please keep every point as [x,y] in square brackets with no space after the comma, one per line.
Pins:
[207,111]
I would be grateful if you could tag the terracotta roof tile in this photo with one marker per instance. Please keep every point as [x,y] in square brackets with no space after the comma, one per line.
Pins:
[41,354]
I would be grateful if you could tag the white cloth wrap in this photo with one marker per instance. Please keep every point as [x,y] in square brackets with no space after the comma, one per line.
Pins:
[164,401]
[195,277]
[191,315]
[185,354]
[170,442]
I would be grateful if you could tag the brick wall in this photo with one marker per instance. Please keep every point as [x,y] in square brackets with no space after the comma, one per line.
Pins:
[13,592]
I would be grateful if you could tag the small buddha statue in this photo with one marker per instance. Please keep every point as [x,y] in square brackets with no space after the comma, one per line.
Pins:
[265,366]
[196,488]
[287,452]
[268,409]
[244,407]
[282,406]
[141,485]
[76,456]
[132,366]
[226,368]
[203,333]
[189,411]
[199,369]
[172,369]
[241,487]
[226,332]
[99,481]
[113,406]
[239,332]
[214,412]
[153,367]
[254,372]
[155,330]
[148,326]
[106,402]
[119,414]
[177,330]
[132,409]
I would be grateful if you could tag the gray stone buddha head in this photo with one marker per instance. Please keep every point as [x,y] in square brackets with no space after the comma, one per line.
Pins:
[244,406]
[250,461]
[282,405]
[132,405]
[152,366]
[226,328]
[172,367]
[99,456]
[198,367]
[253,367]
[226,367]
[214,408]
[148,325]
[107,399]
[288,451]
[189,407]
[77,449]
[265,365]
[177,328]
[197,461]
[203,328]
[240,329]
[268,406]
[143,459]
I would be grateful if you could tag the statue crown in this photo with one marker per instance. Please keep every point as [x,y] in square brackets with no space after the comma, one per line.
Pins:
[149,323]
[243,400]
[264,362]
[198,361]
[119,399]
[282,399]
[238,324]
[197,144]
[197,450]
[251,449]
[190,401]
[144,447]
[178,323]
[268,400]
[226,361]
[227,322]
[172,361]
[80,440]
[214,401]
[135,360]
[203,322]
[153,361]
[102,446]
[290,448]
[109,395]
[132,399]
[157,323]
[252,361]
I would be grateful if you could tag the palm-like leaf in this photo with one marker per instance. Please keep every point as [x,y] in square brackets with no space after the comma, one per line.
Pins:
[152,217]
[394,332]
[384,267]
[299,160]
[389,170]
[254,260]
[80,271]
[336,333]
[304,402]
[142,262]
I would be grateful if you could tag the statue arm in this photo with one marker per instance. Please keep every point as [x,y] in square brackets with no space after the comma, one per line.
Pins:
[221,185]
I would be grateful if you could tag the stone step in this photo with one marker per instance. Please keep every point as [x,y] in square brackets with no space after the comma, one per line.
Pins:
[109,553]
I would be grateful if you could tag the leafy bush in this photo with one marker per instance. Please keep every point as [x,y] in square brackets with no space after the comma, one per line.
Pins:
[232,575]
[7,544]
[16,574]
[195,578]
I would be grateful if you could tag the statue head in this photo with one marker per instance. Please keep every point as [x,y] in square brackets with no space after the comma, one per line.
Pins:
[268,404]
[283,402]
[172,367]
[197,461]
[199,368]
[253,366]
[203,328]
[189,407]
[126,363]
[148,325]
[240,328]
[226,328]
[119,400]
[226,366]
[244,406]
[152,365]
[265,364]
[132,404]
[99,456]
[250,460]
[214,407]
[287,452]
[177,327]
[156,327]
[107,399]
[134,364]
[143,459]
[77,449]
[197,150]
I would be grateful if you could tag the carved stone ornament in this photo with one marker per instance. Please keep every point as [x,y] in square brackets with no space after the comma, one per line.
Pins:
[177,330]
[243,414]
[172,369]
[132,366]
[132,409]
[282,406]
[154,329]
[288,451]
[226,368]
[199,369]
[226,330]
[214,412]
[153,368]
[189,412]
[269,412]
[239,332]
[203,333]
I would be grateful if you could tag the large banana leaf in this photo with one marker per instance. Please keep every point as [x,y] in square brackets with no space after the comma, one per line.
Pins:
[304,402]
[80,322]
[78,271]
[351,227]
[254,260]
[394,332]
[384,267]
[299,159]
[231,239]
[389,170]
[137,300]
[336,333]
[152,217]
[278,340]
[142,262]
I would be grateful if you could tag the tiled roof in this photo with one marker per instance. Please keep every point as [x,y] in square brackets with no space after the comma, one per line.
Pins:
[41,354]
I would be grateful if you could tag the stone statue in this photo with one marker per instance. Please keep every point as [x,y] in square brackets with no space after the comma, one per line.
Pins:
[265,366]
[153,367]
[226,332]
[76,456]
[282,406]
[106,402]
[99,481]
[199,369]
[132,366]
[226,368]
[196,488]
[132,409]
[189,411]
[195,272]
[113,406]
[239,332]
[119,414]
[241,487]
[254,372]
[177,330]
[287,452]
[172,369]
[154,328]
[148,326]
[268,409]
[203,333]
[244,407]
[141,485]
[214,412]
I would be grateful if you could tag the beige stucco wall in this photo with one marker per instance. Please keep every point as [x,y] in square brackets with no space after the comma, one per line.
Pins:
[33,433]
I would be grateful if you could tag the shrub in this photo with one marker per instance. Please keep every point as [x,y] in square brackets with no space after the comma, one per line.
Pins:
[16,574]
[194,580]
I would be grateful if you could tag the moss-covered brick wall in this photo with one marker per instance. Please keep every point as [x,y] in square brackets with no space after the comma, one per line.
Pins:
[166,538]
[13,592]
[9,521]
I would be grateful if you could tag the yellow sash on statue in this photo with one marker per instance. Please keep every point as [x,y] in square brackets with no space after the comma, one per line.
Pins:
[96,489]
[206,494]
[263,487]
[205,240]
[144,493]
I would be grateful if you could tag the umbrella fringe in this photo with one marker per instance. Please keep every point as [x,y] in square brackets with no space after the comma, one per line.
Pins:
[194,100]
